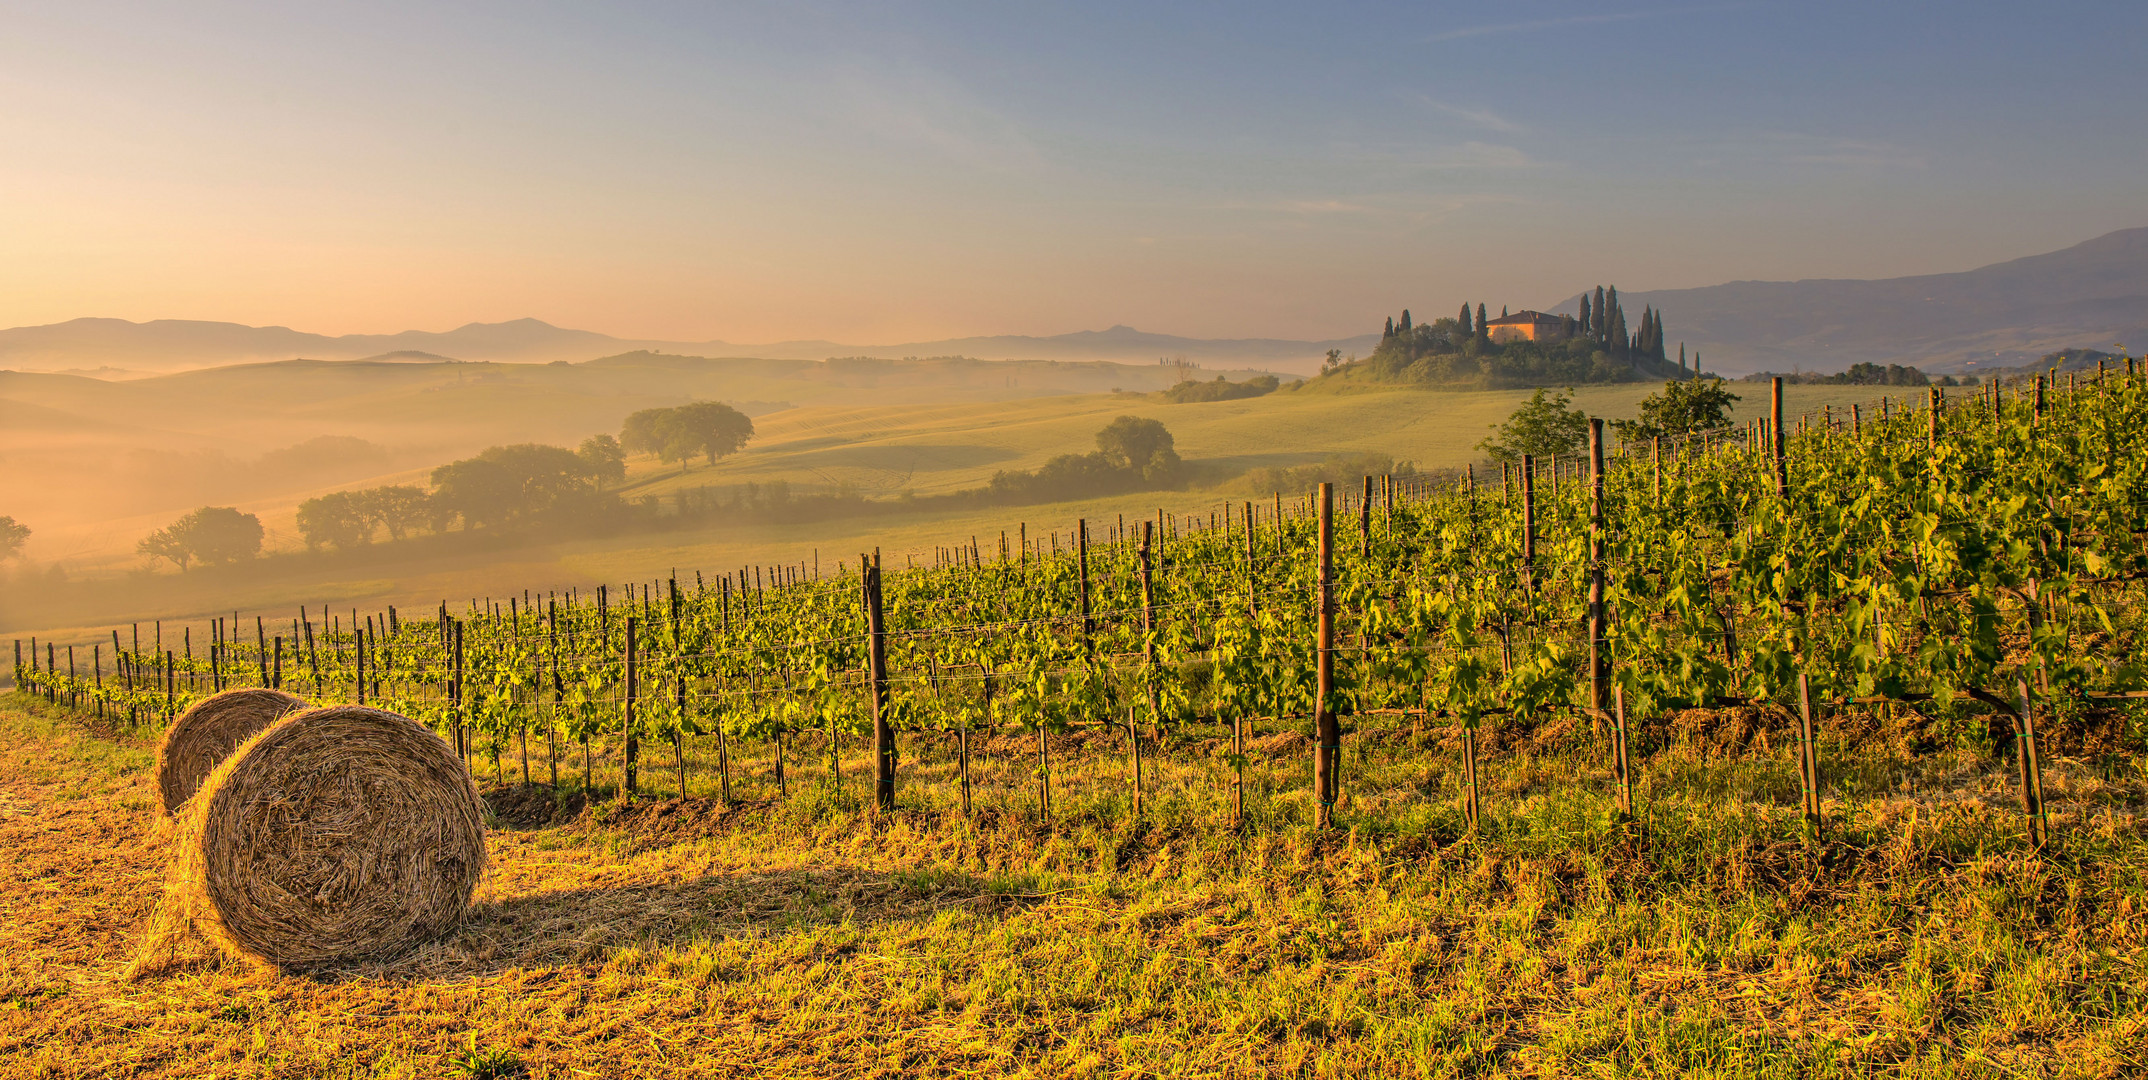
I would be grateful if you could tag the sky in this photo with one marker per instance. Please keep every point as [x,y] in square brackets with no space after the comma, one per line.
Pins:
[883,172]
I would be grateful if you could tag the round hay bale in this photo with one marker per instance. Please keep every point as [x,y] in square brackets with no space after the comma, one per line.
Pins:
[336,835]
[206,734]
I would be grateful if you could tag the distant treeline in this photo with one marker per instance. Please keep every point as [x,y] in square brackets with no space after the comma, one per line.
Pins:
[1220,389]
[524,485]
[1866,375]
[529,487]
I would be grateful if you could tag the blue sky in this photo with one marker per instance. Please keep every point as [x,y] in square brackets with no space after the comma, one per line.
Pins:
[887,172]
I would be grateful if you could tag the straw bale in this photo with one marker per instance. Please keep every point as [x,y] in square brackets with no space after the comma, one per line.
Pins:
[205,735]
[335,835]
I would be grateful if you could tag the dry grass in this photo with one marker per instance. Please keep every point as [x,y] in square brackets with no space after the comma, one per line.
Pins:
[801,937]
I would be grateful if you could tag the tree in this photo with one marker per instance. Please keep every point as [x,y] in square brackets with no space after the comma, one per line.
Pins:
[212,534]
[12,534]
[397,508]
[1139,445]
[1587,318]
[1464,320]
[480,492]
[1680,408]
[1405,326]
[604,459]
[1484,333]
[710,428]
[339,519]
[1543,425]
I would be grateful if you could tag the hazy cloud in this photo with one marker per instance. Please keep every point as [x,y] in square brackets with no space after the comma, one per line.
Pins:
[1490,29]
[1484,118]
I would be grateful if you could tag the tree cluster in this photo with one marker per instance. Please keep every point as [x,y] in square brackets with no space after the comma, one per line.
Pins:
[1220,389]
[1595,347]
[1864,374]
[210,535]
[1132,454]
[503,486]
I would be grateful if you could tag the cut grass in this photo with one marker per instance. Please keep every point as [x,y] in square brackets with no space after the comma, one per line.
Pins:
[809,937]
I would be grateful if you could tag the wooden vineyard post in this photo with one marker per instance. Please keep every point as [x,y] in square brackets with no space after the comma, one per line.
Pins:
[358,663]
[1148,631]
[877,674]
[628,764]
[1622,756]
[2039,408]
[1469,775]
[1599,623]
[1327,732]
[97,672]
[1252,572]
[1808,762]
[260,642]
[1081,562]
[1364,521]
[1857,425]
[2031,766]
[1656,448]
[1528,530]
[1775,438]
[462,731]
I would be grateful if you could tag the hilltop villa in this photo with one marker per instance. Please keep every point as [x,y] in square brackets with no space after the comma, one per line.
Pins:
[1526,326]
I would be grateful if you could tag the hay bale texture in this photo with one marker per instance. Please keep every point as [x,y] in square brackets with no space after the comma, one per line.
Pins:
[335,835]
[206,734]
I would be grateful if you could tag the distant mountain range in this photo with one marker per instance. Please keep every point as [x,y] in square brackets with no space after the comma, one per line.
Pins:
[2091,295]
[167,345]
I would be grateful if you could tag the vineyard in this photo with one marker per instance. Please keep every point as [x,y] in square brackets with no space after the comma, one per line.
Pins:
[1979,559]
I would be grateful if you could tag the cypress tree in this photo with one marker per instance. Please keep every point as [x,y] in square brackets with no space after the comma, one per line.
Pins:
[1484,333]
[1681,358]
[1390,331]
[1603,315]
[1405,328]
[1502,311]
[1465,319]
[1586,325]
[1618,342]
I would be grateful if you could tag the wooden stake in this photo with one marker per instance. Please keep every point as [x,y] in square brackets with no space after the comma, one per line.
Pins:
[1327,732]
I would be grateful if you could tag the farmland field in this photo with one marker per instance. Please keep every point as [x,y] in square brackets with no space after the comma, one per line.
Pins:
[813,937]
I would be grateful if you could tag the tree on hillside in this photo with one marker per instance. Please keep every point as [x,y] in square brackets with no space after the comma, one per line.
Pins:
[711,429]
[338,519]
[1681,407]
[398,508]
[1543,425]
[604,459]
[1484,332]
[1139,445]
[12,534]
[212,534]
[477,491]
[1467,326]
